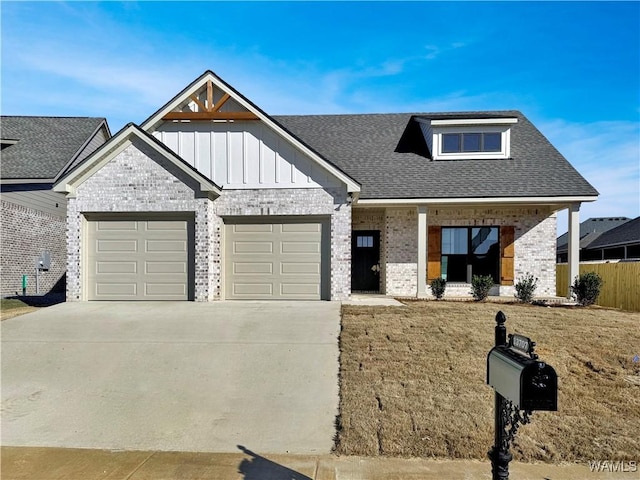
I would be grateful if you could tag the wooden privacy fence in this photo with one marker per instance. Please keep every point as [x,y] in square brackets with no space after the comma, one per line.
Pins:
[621,283]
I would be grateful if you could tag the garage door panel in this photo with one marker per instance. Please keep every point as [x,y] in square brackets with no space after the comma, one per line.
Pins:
[166,226]
[301,227]
[252,290]
[116,225]
[165,267]
[116,267]
[248,247]
[300,247]
[164,289]
[290,268]
[165,246]
[146,259]
[121,289]
[263,228]
[108,246]
[280,260]
[252,268]
[299,290]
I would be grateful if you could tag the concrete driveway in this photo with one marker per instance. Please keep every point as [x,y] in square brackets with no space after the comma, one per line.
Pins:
[178,376]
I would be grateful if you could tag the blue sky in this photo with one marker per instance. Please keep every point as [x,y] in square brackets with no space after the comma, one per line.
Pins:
[573,68]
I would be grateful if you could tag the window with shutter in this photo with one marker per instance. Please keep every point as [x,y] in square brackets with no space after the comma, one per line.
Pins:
[433,252]
[507,251]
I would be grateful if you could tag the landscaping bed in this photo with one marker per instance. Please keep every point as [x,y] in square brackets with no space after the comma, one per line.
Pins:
[413,381]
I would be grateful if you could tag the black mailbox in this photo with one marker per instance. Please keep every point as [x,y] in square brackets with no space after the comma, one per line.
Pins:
[528,383]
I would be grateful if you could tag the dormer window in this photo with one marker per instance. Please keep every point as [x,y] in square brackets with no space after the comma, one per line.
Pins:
[5,142]
[471,142]
[468,138]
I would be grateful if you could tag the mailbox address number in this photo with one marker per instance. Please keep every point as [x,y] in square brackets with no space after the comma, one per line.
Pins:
[521,343]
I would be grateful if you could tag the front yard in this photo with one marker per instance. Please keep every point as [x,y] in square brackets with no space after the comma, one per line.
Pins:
[413,381]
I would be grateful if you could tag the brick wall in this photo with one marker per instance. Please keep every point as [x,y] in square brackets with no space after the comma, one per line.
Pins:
[26,233]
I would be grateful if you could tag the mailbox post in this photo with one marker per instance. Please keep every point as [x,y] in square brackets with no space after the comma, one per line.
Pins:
[522,384]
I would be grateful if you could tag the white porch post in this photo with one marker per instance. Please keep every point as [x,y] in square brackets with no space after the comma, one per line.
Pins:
[422,252]
[574,244]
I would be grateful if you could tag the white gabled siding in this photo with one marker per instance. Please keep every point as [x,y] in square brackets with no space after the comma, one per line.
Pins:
[243,155]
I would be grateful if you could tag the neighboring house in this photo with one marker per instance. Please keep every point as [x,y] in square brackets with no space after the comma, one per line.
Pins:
[619,243]
[211,198]
[36,151]
[590,230]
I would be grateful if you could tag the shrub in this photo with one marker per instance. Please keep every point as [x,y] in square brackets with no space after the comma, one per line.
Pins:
[586,288]
[525,288]
[438,286]
[480,286]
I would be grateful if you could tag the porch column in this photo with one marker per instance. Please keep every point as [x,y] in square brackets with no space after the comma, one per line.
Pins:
[422,252]
[574,244]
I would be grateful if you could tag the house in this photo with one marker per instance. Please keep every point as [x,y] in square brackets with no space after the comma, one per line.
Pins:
[619,243]
[590,230]
[211,198]
[36,151]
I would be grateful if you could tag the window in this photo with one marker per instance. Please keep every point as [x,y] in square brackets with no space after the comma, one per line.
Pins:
[364,241]
[468,251]
[471,142]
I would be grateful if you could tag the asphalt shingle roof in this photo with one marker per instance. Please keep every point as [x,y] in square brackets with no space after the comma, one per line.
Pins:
[44,144]
[628,232]
[368,148]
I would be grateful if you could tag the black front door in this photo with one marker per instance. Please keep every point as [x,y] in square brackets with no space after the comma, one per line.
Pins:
[365,261]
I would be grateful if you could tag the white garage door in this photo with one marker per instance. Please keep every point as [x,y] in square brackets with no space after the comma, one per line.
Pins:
[274,261]
[138,259]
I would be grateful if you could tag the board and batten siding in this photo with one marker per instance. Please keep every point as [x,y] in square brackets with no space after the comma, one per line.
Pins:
[243,155]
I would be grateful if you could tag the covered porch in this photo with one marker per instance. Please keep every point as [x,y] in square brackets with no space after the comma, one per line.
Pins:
[397,249]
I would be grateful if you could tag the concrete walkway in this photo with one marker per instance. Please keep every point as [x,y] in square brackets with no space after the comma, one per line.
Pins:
[74,464]
[172,376]
[373,300]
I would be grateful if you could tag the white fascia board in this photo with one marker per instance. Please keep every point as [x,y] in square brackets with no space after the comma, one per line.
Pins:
[474,121]
[69,183]
[151,122]
[477,201]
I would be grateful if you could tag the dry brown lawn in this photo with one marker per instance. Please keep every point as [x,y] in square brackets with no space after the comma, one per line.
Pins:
[10,308]
[413,381]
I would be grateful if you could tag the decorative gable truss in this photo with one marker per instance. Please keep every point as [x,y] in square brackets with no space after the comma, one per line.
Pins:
[210,103]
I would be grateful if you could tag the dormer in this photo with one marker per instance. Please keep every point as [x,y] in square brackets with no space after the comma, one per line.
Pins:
[457,138]
[7,142]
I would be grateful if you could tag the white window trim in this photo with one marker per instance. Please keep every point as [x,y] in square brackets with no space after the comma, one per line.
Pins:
[505,142]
